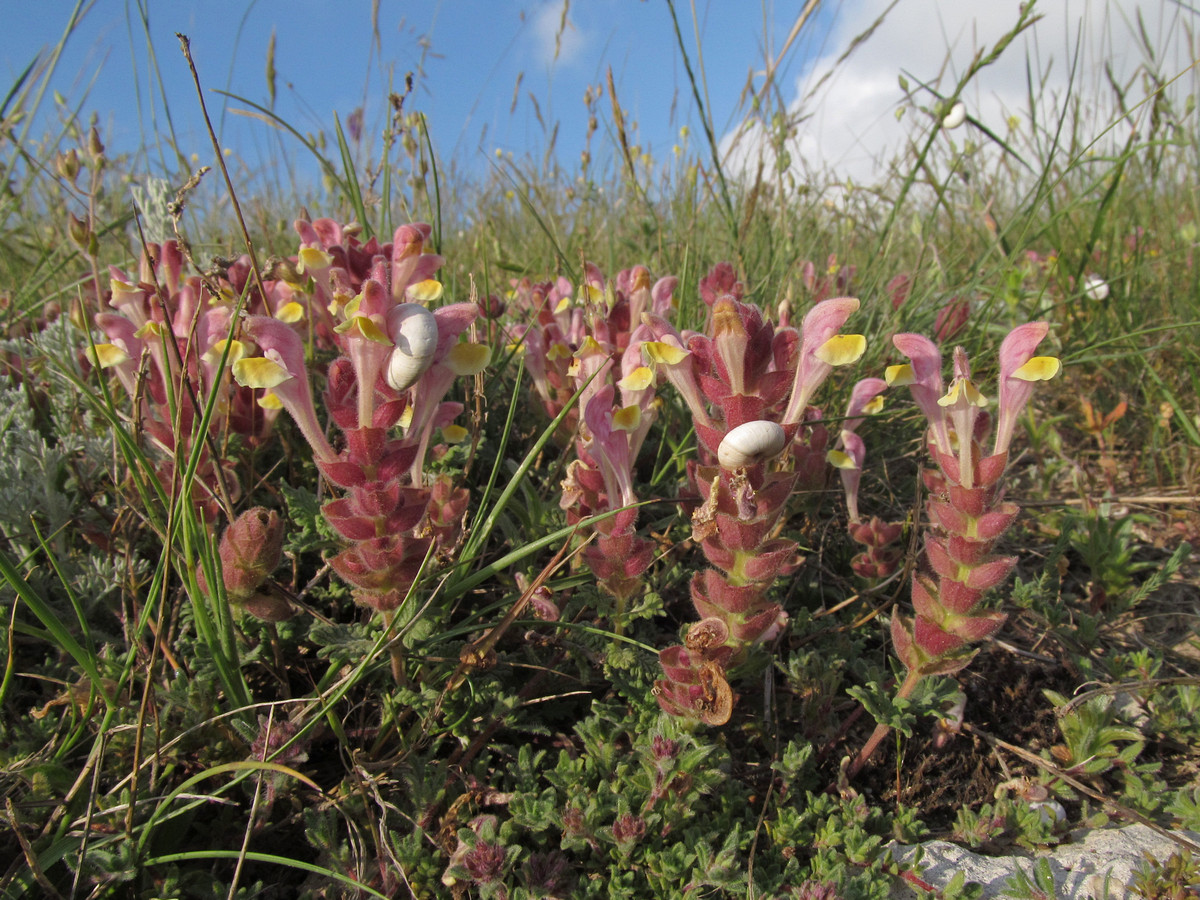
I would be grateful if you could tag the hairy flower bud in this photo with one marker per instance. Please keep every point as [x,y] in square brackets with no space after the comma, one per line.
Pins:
[485,861]
[628,829]
[250,550]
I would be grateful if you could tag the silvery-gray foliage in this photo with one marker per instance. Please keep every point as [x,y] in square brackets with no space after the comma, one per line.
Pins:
[48,455]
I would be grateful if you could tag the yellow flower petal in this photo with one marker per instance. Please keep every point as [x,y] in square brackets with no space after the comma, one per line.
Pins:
[663,353]
[259,372]
[290,313]
[900,375]
[840,460]
[123,290]
[468,359]
[1039,368]
[363,327]
[150,329]
[968,392]
[637,380]
[314,259]
[589,347]
[557,352]
[270,401]
[237,350]
[105,355]
[842,349]
[425,291]
[454,434]
[406,417]
[874,406]
[974,395]
[562,306]
[340,302]
[627,418]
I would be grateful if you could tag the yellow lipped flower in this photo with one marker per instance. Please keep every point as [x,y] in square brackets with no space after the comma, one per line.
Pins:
[588,347]
[662,353]
[840,460]
[363,327]
[237,350]
[468,358]
[454,434]
[290,313]
[122,290]
[313,259]
[962,391]
[260,372]
[270,401]
[627,418]
[151,329]
[1038,368]
[351,305]
[637,380]
[900,375]
[842,349]
[426,291]
[105,355]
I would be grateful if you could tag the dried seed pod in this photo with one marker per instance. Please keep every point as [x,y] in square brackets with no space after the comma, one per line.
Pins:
[414,330]
[750,444]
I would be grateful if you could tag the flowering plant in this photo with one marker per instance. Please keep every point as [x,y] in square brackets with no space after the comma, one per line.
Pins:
[398,361]
[967,513]
[748,387]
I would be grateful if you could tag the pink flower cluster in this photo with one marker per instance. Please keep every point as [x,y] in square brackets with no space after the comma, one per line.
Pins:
[592,344]
[879,558]
[166,336]
[748,386]
[967,511]
[398,362]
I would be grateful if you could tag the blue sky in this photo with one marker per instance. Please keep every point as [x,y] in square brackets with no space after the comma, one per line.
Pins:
[468,55]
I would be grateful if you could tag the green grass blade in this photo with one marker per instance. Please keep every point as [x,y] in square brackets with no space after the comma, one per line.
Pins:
[53,624]
[352,188]
[272,858]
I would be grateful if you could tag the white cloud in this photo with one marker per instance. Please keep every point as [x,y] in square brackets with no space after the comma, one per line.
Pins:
[556,40]
[851,128]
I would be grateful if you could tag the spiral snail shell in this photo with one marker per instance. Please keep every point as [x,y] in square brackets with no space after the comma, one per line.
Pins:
[750,444]
[414,330]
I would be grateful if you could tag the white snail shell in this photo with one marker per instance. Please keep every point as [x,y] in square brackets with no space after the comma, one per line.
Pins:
[414,330]
[1095,288]
[750,444]
[956,116]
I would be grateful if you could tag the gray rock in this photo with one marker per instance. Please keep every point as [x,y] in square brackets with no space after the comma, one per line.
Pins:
[1097,864]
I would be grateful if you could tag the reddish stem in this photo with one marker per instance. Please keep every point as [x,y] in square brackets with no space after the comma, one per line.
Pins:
[881,730]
